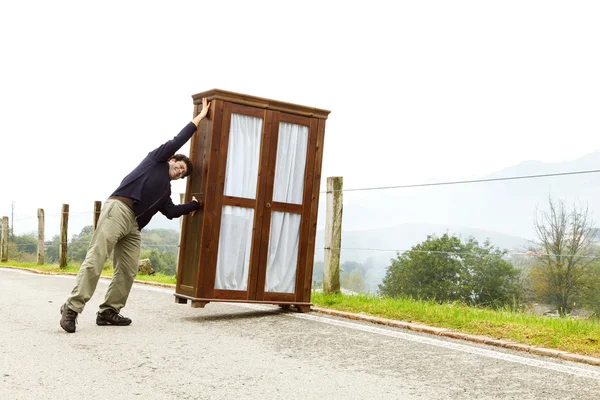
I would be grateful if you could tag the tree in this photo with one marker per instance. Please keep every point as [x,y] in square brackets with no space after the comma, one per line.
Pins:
[166,239]
[22,247]
[78,247]
[353,276]
[26,243]
[430,270]
[353,280]
[524,263]
[350,266]
[52,249]
[317,276]
[591,297]
[162,261]
[564,270]
[493,280]
[446,269]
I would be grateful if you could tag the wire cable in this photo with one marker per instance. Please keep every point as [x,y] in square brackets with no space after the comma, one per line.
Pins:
[531,254]
[467,181]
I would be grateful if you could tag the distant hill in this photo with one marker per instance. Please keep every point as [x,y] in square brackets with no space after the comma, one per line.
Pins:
[507,207]
[403,237]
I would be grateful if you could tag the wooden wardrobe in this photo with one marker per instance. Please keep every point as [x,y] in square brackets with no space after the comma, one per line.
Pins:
[257,169]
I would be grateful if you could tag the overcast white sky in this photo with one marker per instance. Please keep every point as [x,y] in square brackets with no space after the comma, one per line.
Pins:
[419,90]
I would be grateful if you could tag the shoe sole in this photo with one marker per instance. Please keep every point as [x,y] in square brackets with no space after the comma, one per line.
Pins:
[104,323]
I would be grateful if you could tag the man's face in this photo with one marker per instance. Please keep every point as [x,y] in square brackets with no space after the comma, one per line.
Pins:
[177,169]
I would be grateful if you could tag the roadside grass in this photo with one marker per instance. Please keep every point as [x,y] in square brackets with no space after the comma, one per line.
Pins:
[157,277]
[581,336]
[73,268]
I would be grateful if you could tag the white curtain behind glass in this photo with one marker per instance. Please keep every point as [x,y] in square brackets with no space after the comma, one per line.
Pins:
[243,154]
[283,253]
[235,241]
[291,160]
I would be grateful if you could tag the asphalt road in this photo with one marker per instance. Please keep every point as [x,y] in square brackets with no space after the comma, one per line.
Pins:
[242,351]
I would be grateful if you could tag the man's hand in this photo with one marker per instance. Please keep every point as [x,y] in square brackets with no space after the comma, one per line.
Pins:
[200,204]
[202,115]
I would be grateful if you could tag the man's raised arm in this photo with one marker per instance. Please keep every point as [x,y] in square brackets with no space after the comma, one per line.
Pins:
[165,151]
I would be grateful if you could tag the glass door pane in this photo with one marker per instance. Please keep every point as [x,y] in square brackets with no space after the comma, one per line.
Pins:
[235,243]
[282,257]
[243,155]
[291,160]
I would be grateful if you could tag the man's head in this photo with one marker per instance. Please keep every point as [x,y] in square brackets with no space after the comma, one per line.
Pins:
[179,166]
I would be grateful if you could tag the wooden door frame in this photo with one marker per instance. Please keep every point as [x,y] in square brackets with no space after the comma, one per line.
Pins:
[303,209]
[220,200]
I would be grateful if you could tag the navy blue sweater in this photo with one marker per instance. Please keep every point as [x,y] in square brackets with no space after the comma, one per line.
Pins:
[149,184]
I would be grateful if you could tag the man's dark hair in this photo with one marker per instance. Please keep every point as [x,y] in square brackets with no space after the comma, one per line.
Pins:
[188,164]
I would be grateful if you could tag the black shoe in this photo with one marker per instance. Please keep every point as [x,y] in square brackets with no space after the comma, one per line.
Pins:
[68,319]
[111,317]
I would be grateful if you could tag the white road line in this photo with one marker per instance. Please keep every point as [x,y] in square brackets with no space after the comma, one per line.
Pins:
[580,372]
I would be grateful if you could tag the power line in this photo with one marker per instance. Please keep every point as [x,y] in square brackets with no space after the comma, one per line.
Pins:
[461,253]
[23,219]
[509,178]
[468,181]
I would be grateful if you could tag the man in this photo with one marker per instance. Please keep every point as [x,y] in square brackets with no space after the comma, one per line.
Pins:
[144,192]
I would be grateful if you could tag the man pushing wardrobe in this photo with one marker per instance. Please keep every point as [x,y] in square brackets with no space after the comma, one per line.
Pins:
[144,191]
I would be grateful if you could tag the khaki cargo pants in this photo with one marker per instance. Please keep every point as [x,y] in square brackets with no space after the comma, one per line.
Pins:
[117,230]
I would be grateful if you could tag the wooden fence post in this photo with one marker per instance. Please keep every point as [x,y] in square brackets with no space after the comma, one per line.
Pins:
[40,244]
[64,224]
[333,235]
[97,209]
[4,240]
